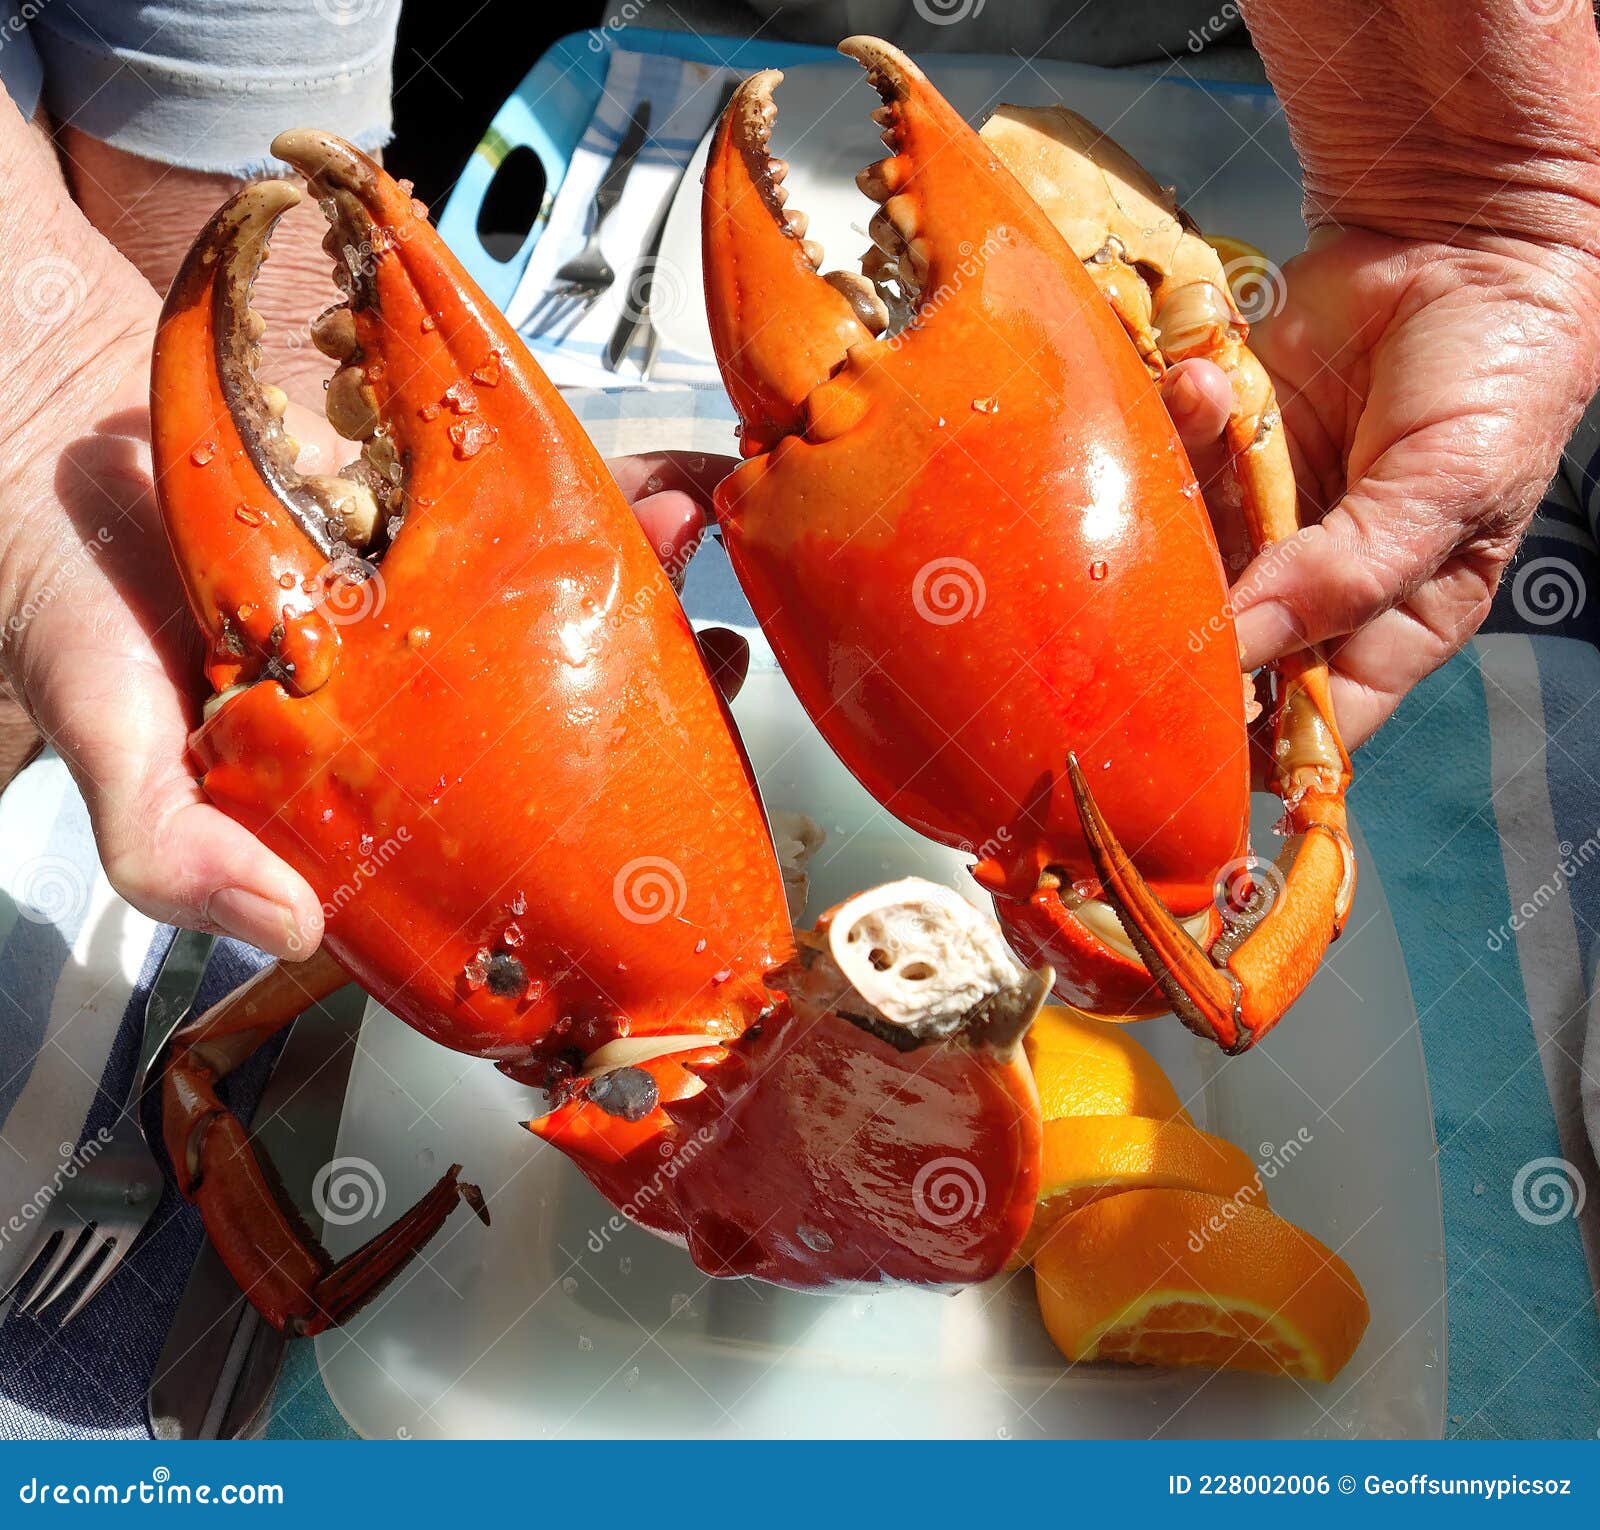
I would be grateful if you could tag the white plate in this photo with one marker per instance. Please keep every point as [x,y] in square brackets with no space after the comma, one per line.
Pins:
[1225,148]
[560,1321]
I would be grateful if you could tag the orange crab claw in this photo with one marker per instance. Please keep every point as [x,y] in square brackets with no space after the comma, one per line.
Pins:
[504,634]
[979,543]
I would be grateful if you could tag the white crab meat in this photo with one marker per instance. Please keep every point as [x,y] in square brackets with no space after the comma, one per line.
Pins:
[917,955]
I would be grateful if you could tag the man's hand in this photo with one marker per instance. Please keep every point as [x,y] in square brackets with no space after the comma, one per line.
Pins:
[102,652]
[1426,393]
[1437,341]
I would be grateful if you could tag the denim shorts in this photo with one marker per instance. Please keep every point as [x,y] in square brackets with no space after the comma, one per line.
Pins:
[205,84]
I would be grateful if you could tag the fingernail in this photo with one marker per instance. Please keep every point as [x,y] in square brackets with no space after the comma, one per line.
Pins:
[258,920]
[1266,631]
[1184,396]
[727,657]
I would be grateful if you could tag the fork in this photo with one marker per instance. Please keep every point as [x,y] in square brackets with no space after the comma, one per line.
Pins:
[94,1218]
[583,279]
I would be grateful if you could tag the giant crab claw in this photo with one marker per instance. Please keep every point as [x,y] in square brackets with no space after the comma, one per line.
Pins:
[457,693]
[456,683]
[980,545]
[880,1125]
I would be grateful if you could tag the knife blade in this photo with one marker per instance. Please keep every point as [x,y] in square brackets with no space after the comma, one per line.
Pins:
[217,1369]
[183,969]
[636,313]
[616,176]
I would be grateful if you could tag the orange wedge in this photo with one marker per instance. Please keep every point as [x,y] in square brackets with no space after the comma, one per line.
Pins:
[1178,1277]
[1242,263]
[1087,1157]
[1089,1067]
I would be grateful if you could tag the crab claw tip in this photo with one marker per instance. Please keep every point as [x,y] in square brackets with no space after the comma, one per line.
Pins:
[1204,996]
[323,156]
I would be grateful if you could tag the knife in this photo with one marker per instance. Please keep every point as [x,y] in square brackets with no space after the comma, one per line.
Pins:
[220,1362]
[636,314]
[183,969]
[617,172]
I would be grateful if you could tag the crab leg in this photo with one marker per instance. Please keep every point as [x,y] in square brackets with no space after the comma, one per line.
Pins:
[288,1276]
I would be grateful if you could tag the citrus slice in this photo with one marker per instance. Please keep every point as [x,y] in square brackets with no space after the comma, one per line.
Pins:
[1243,264]
[1089,1067]
[1087,1157]
[1178,1277]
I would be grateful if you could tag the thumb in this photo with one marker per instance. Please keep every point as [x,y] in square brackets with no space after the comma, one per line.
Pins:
[1382,541]
[673,522]
[1199,398]
[178,859]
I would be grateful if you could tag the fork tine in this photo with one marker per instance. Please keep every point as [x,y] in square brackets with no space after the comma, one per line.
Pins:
[540,312]
[47,1277]
[19,1272]
[89,1251]
[115,1246]
[570,318]
[563,301]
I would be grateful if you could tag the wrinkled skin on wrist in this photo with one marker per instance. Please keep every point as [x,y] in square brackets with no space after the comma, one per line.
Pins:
[1437,119]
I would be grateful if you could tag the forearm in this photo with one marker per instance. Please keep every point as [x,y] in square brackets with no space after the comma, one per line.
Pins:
[1463,121]
[74,317]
